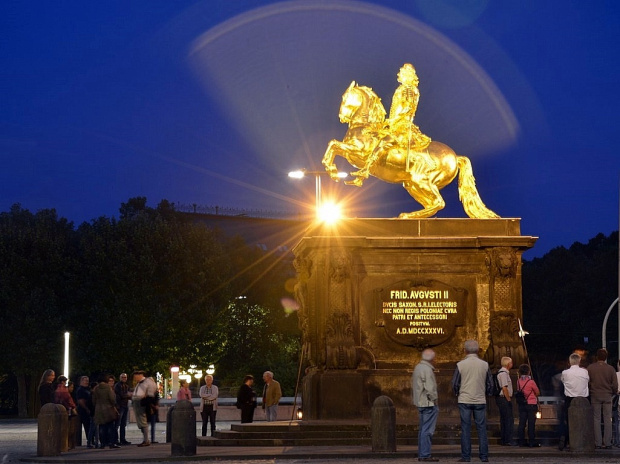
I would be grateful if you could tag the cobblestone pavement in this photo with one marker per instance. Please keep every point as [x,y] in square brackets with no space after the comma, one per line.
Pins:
[18,444]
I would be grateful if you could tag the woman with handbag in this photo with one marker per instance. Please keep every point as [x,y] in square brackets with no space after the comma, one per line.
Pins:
[106,413]
[527,400]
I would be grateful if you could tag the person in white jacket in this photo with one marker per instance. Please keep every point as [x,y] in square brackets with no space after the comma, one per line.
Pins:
[208,404]
[424,391]
[142,399]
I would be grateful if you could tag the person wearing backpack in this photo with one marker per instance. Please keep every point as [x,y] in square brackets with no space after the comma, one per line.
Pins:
[504,403]
[527,398]
[472,382]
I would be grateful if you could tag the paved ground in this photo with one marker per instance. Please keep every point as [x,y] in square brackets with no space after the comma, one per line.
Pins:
[18,444]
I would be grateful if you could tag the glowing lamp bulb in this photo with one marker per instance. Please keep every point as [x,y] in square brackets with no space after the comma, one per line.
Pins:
[329,213]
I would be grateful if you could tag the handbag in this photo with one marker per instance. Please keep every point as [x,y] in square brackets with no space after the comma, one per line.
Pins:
[520,396]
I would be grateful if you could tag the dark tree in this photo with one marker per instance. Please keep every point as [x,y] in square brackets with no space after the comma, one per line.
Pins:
[565,296]
[38,267]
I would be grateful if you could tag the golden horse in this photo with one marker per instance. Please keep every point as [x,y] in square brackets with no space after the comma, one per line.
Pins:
[423,173]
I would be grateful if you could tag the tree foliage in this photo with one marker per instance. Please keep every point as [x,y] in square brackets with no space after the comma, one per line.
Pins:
[151,289]
[38,267]
[565,296]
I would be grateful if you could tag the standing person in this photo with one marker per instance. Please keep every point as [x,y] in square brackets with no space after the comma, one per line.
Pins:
[114,430]
[603,386]
[424,388]
[527,410]
[94,428]
[106,414]
[62,396]
[504,403]
[84,405]
[271,396]
[71,389]
[46,387]
[583,353]
[121,390]
[152,413]
[246,400]
[471,382]
[184,393]
[142,397]
[76,426]
[208,404]
[575,380]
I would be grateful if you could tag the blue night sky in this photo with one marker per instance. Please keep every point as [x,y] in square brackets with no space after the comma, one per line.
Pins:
[212,102]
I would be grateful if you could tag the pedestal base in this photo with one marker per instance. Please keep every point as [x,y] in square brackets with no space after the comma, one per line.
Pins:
[374,293]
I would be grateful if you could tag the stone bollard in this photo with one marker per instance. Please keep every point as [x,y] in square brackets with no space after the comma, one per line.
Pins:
[169,424]
[383,425]
[183,429]
[580,426]
[53,425]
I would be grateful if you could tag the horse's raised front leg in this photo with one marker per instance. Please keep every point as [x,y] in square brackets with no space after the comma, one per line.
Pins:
[328,159]
[427,194]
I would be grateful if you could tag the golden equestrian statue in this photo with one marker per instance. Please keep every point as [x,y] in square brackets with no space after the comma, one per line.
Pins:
[396,151]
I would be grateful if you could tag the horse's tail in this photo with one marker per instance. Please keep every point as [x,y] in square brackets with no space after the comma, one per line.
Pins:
[468,193]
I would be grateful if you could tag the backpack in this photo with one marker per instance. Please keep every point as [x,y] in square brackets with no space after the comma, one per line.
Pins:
[520,396]
[497,389]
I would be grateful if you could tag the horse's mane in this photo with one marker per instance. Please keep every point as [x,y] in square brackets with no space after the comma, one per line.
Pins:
[376,111]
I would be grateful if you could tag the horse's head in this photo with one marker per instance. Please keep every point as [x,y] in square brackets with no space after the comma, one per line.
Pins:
[361,105]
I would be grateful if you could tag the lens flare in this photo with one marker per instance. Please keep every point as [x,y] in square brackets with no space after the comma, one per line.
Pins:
[329,213]
[289,305]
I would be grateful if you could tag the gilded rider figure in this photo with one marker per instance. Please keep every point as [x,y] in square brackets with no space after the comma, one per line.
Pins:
[400,131]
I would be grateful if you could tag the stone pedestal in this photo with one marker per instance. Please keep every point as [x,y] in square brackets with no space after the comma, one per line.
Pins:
[183,421]
[52,427]
[337,394]
[373,293]
[383,425]
[581,431]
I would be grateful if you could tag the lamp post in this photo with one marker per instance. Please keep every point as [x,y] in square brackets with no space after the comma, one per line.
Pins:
[174,372]
[301,173]
[66,369]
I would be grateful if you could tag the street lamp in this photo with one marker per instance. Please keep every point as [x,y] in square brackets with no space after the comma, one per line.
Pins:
[301,173]
[66,370]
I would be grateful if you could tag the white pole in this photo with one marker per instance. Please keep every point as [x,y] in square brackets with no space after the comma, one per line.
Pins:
[66,370]
[604,331]
[318,195]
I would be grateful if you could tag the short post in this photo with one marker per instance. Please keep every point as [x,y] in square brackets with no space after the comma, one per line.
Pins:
[383,425]
[183,429]
[580,426]
[169,424]
[53,425]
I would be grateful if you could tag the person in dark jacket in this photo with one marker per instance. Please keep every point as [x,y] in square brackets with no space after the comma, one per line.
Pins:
[121,390]
[246,400]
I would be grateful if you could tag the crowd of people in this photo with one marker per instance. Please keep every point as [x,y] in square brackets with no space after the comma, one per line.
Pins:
[598,382]
[102,408]
[473,381]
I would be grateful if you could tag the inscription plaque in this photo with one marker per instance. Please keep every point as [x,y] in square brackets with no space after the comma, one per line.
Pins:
[421,314]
